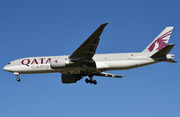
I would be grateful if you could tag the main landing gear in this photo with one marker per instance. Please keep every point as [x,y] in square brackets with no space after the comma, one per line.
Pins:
[91,81]
[17,74]
[90,75]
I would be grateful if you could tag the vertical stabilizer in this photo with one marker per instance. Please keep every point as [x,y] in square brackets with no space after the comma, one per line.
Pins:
[160,41]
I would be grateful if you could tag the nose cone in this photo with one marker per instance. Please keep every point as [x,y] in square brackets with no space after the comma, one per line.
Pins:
[7,68]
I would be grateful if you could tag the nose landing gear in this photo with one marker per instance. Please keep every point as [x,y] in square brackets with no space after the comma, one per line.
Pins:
[17,74]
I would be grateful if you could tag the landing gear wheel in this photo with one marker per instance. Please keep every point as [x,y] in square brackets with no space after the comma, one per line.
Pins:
[91,81]
[86,80]
[95,82]
[18,79]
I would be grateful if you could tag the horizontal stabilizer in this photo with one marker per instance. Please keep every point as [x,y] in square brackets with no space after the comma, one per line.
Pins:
[170,61]
[163,52]
[108,75]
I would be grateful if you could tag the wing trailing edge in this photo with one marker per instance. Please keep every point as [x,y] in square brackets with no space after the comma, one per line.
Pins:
[103,74]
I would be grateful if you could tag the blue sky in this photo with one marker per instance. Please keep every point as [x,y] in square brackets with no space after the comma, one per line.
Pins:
[47,28]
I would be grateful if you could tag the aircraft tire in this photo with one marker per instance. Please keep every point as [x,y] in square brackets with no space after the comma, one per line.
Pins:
[95,82]
[18,79]
[86,80]
[91,81]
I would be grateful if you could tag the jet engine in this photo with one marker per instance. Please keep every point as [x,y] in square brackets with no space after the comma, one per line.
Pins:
[70,78]
[57,63]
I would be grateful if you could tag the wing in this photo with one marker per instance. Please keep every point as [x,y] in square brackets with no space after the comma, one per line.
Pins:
[108,75]
[87,50]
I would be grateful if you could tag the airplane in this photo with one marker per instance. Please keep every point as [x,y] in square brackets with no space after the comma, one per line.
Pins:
[85,62]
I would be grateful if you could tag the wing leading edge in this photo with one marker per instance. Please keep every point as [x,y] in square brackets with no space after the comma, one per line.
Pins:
[88,48]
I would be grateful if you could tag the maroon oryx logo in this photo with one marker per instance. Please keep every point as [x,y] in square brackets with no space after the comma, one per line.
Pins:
[161,42]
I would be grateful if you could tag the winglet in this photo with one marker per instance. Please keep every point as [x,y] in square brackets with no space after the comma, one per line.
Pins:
[105,23]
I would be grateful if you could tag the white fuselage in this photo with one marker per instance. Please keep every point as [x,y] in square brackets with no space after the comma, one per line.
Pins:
[104,62]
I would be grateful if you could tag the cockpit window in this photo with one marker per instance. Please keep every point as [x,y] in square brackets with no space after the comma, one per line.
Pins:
[9,63]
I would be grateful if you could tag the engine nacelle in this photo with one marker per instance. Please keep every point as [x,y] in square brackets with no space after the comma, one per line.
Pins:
[57,63]
[70,78]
